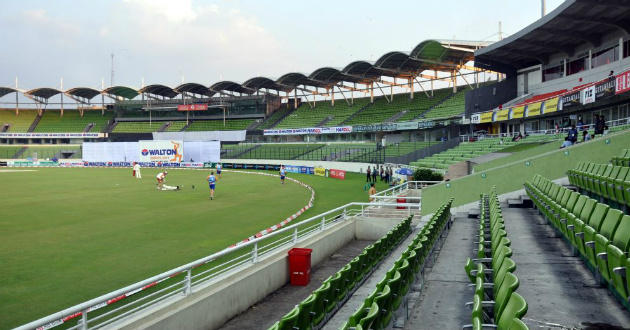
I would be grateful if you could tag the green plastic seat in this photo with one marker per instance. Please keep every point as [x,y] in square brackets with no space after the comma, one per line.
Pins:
[595,218]
[319,307]
[515,308]
[597,239]
[331,296]
[368,320]
[342,288]
[383,300]
[304,319]
[395,285]
[517,324]
[509,284]
[288,321]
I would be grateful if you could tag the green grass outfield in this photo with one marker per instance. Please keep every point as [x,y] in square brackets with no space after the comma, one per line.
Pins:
[72,234]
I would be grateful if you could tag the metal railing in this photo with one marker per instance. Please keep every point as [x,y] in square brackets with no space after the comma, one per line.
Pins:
[184,280]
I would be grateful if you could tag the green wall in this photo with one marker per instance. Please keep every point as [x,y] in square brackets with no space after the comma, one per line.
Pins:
[510,177]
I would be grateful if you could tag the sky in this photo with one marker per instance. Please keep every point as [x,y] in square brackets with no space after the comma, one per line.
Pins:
[167,41]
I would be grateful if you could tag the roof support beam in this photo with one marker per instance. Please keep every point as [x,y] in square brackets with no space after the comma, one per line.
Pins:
[568,51]
[590,38]
[526,54]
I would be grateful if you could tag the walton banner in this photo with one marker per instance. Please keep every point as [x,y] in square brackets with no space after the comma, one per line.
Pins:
[337,174]
[161,151]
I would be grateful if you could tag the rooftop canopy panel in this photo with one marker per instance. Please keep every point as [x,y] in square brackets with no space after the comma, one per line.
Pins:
[398,64]
[363,69]
[84,92]
[44,93]
[159,90]
[574,23]
[332,76]
[121,91]
[8,90]
[294,79]
[194,88]
[230,86]
[442,55]
[262,82]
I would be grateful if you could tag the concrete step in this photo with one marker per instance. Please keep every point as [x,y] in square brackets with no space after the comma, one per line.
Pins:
[523,202]
[473,213]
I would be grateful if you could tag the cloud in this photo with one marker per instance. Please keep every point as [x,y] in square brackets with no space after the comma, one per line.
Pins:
[168,39]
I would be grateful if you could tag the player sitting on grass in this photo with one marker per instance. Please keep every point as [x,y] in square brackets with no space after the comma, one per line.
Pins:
[211,182]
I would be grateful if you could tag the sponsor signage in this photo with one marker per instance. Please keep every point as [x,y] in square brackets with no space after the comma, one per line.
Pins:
[588,95]
[161,151]
[53,135]
[622,83]
[486,117]
[551,105]
[534,109]
[476,118]
[192,107]
[337,174]
[569,100]
[426,124]
[319,171]
[502,115]
[374,128]
[142,164]
[518,112]
[263,167]
[605,89]
[310,130]
[70,163]
[407,125]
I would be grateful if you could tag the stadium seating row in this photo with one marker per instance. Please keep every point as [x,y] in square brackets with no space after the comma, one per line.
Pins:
[599,234]
[605,182]
[495,304]
[17,123]
[323,303]
[72,121]
[380,309]
[623,159]
[464,151]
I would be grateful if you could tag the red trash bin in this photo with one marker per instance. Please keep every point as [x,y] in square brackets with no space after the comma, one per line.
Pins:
[401,200]
[300,266]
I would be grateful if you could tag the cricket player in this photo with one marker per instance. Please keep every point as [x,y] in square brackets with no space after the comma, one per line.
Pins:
[211,183]
[283,174]
[161,178]
[371,192]
[219,167]
[136,170]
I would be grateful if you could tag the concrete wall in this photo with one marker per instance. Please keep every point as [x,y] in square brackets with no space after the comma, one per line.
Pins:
[213,305]
[373,228]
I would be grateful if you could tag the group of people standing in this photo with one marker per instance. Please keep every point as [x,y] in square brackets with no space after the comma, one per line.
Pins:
[384,172]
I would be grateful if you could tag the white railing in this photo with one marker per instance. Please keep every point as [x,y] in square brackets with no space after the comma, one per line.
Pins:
[184,280]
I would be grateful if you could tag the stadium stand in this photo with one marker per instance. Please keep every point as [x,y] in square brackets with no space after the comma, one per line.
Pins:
[137,126]
[451,107]
[305,116]
[18,123]
[218,125]
[276,116]
[51,151]
[464,151]
[8,152]
[494,301]
[275,151]
[404,148]
[324,302]
[53,122]
[380,307]
[337,151]
[598,233]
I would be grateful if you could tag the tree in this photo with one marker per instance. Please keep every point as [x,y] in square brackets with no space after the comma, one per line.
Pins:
[425,174]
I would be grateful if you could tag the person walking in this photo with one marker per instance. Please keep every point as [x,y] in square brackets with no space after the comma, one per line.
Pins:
[283,174]
[368,172]
[212,180]
[219,167]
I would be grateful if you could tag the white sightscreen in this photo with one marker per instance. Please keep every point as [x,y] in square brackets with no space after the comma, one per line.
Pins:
[202,151]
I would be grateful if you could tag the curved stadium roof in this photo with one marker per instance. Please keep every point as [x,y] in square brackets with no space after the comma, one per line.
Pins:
[437,55]
[572,24]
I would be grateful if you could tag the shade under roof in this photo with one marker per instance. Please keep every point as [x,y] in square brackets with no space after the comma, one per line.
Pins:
[262,82]
[159,90]
[230,86]
[84,92]
[8,90]
[44,92]
[194,88]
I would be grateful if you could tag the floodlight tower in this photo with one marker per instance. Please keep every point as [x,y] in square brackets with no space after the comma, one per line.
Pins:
[543,9]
